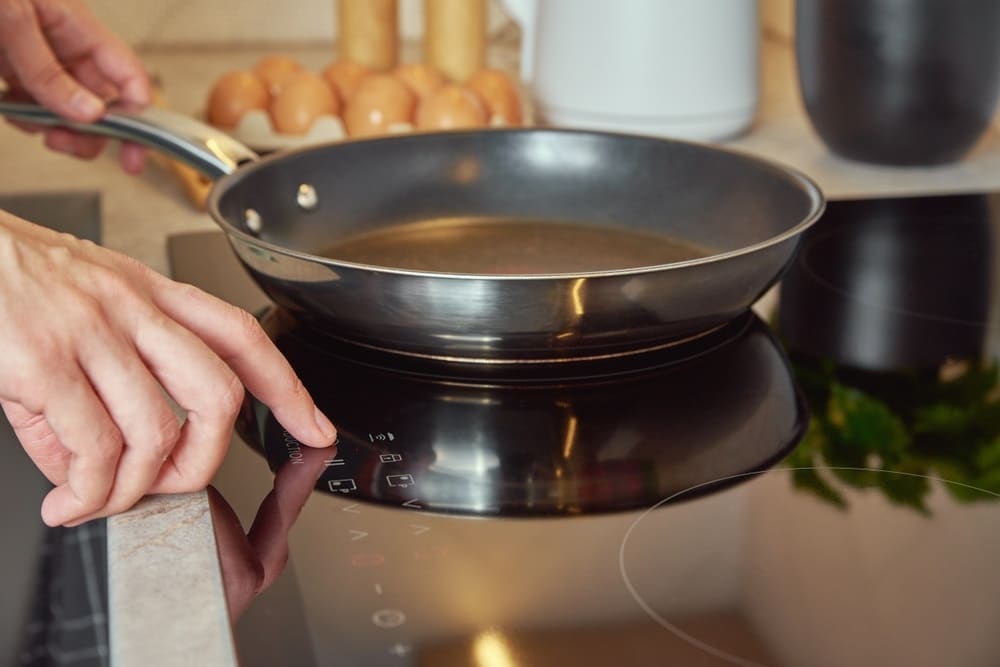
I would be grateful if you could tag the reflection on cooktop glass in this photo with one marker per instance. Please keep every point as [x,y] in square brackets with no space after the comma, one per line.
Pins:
[889,315]
[543,446]
[822,493]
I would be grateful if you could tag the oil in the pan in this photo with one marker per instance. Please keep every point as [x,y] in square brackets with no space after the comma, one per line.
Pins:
[511,246]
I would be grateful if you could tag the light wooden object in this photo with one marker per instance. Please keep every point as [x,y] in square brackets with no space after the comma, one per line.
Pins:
[455,36]
[368,32]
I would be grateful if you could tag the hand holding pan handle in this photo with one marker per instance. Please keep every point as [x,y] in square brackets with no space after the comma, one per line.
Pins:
[201,146]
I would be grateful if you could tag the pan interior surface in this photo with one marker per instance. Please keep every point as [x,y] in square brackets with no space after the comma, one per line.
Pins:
[641,187]
[511,246]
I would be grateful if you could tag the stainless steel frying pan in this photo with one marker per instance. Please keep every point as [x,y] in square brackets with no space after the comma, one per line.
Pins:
[496,246]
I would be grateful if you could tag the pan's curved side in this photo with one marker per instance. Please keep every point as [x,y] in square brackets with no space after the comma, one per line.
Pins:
[745,213]
[522,319]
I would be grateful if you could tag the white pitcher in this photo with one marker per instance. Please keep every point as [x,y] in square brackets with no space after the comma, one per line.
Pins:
[679,68]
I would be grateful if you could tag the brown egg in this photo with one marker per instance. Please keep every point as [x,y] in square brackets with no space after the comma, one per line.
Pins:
[450,108]
[233,94]
[276,70]
[379,102]
[345,77]
[304,98]
[421,79]
[499,93]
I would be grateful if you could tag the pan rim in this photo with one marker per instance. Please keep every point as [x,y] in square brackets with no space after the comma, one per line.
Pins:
[817,205]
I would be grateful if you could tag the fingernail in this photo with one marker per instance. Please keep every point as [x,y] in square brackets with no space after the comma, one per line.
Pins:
[328,430]
[86,104]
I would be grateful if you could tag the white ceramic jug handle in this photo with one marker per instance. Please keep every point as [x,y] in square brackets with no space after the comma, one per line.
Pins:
[525,12]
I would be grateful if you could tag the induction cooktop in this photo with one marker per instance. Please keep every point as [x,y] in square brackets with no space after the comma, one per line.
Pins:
[663,515]
[602,440]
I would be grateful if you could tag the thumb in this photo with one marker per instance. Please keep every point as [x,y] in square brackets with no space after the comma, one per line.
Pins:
[38,441]
[39,71]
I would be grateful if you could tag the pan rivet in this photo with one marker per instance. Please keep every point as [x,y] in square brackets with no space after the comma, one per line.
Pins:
[306,197]
[252,221]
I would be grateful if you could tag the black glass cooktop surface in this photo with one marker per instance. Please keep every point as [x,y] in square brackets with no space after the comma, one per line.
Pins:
[663,515]
[589,439]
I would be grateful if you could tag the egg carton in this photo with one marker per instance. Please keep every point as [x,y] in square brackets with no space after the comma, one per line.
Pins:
[256,131]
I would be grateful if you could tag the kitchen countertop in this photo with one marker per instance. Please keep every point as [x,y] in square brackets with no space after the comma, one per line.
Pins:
[165,591]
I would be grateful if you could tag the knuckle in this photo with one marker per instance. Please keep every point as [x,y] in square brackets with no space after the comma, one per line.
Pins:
[27,392]
[107,446]
[82,306]
[188,292]
[88,247]
[142,279]
[231,397]
[109,282]
[295,390]
[88,318]
[26,421]
[248,328]
[167,433]
[58,255]
[67,240]
[140,269]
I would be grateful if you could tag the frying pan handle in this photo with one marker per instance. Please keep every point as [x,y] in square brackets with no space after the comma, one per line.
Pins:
[201,146]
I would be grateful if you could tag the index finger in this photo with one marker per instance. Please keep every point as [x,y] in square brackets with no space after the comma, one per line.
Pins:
[238,339]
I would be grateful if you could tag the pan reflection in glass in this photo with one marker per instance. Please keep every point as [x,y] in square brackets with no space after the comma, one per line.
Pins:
[611,438]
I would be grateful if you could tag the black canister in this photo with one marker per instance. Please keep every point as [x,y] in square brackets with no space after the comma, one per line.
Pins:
[906,82]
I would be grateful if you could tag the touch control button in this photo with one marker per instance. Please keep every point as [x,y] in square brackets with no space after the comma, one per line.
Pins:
[388,618]
[401,481]
[342,485]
